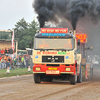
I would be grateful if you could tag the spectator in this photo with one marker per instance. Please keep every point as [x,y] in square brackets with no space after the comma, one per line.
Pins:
[17,61]
[5,50]
[6,59]
[25,61]
[11,51]
[22,60]
[19,58]
[14,63]
[8,51]
[9,60]
[0,57]
[3,63]
[2,51]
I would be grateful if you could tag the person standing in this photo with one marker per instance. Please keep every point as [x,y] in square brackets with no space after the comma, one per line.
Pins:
[9,60]
[11,50]
[5,50]
[2,51]
[22,60]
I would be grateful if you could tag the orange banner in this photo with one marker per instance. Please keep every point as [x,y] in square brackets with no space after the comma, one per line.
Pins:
[81,37]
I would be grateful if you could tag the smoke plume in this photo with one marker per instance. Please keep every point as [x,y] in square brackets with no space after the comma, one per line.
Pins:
[71,10]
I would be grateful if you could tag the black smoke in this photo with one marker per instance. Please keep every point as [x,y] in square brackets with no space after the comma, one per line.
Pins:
[71,10]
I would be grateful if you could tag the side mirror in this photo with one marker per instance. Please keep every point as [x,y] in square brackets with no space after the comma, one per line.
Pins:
[78,42]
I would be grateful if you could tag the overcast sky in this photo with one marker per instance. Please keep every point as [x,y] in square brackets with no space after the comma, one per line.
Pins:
[11,11]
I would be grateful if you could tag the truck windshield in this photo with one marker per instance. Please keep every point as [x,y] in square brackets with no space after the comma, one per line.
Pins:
[44,43]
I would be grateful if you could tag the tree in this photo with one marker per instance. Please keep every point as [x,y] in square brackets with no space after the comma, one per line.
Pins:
[24,33]
[33,27]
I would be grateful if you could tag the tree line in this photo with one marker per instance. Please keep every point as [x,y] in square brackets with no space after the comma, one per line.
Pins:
[24,33]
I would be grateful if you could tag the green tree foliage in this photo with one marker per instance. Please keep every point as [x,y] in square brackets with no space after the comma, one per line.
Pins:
[24,33]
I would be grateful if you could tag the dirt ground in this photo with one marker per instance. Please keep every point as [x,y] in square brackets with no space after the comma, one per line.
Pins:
[24,88]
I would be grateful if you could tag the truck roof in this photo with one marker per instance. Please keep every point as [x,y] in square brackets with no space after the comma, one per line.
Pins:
[53,35]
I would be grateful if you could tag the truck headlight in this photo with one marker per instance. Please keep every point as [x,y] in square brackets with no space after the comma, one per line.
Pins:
[37,68]
[68,69]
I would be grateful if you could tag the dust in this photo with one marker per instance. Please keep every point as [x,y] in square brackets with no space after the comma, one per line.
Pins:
[96,73]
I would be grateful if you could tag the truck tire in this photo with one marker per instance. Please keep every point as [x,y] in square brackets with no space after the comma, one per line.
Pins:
[37,79]
[79,78]
[73,78]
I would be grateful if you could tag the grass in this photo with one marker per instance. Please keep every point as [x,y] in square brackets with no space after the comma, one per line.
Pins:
[14,72]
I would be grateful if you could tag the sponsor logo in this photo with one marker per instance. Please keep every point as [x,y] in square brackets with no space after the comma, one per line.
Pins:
[55,53]
[36,56]
[67,57]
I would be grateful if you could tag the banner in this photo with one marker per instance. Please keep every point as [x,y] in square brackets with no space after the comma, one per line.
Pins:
[54,30]
[13,40]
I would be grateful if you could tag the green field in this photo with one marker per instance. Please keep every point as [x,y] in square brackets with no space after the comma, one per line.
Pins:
[14,72]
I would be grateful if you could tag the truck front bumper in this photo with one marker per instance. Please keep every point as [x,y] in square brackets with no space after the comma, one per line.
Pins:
[54,70]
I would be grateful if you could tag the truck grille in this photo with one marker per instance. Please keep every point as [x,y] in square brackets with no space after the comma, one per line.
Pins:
[53,59]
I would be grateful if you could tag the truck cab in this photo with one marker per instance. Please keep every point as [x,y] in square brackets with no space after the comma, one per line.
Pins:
[55,56]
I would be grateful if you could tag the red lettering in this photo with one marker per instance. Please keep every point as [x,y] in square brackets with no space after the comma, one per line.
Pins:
[55,52]
[43,52]
[48,52]
[38,52]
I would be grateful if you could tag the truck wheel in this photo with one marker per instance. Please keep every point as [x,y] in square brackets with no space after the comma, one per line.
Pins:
[73,78]
[79,78]
[37,79]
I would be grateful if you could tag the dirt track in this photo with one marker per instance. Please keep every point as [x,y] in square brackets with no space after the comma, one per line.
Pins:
[24,88]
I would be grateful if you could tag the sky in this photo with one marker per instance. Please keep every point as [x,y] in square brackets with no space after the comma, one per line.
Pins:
[11,11]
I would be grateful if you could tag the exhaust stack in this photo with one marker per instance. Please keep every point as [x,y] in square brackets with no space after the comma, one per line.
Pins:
[74,33]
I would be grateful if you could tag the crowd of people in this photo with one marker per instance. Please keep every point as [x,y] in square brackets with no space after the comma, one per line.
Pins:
[23,61]
[6,51]
[20,62]
[5,61]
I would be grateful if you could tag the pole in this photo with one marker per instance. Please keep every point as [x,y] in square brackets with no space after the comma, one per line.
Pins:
[13,43]
[13,40]
[16,48]
[84,51]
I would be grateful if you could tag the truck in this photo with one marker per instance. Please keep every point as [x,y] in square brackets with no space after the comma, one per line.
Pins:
[55,56]
[87,67]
